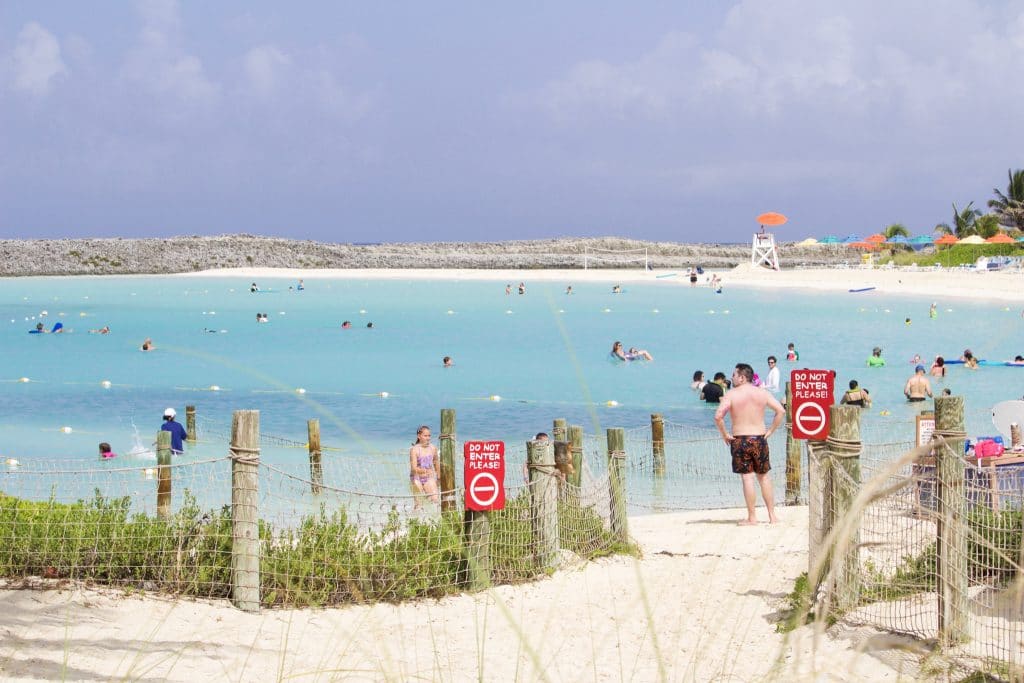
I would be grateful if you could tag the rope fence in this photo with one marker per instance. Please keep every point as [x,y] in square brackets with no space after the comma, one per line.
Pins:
[921,541]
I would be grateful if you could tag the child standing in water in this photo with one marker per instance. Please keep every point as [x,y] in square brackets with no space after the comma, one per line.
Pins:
[791,353]
[423,467]
[105,451]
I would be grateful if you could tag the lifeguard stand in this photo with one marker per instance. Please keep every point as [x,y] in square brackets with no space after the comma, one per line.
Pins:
[763,251]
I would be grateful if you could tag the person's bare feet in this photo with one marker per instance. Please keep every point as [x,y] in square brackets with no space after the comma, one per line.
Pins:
[773,520]
[747,522]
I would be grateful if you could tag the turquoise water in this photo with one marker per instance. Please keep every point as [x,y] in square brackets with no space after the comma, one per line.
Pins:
[545,354]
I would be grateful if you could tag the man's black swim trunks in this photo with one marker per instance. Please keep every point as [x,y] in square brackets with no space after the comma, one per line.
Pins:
[750,454]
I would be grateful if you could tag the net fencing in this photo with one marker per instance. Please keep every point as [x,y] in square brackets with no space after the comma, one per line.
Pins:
[324,540]
[924,542]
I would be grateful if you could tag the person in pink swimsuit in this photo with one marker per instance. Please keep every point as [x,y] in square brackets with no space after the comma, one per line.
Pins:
[423,467]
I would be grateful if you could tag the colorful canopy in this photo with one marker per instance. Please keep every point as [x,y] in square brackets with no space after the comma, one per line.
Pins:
[947,239]
[851,238]
[863,244]
[829,239]
[878,238]
[899,239]
[809,242]
[921,239]
[1000,238]
[771,218]
[973,239]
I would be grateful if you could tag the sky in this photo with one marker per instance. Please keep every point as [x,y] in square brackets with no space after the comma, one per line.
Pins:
[398,121]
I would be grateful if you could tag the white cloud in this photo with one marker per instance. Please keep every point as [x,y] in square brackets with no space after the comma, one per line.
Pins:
[36,61]
[790,58]
[264,68]
[159,65]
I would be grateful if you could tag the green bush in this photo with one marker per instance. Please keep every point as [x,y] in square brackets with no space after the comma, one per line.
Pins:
[325,560]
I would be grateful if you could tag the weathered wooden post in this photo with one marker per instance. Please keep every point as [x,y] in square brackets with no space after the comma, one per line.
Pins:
[619,521]
[658,444]
[951,527]
[576,444]
[844,449]
[163,479]
[316,472]
[190,423]
[540,460]
[559,430]
[818,478]
[793,452]
[476,540]
[447,460]
[245,541]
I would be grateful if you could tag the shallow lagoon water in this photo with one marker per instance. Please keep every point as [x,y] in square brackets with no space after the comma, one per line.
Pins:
[545,354]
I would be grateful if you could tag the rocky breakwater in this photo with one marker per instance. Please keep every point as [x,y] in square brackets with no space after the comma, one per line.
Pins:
[126,256]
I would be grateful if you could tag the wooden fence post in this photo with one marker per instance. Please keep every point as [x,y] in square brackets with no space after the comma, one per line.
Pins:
[658,444]
[619,520]
[576,445]
[316,471]
[844,449]
[951,527]
[190,423]
[559,430]
[793,453]
[818,477]
[245,541]
[447,460]
[540,460]
[163,479]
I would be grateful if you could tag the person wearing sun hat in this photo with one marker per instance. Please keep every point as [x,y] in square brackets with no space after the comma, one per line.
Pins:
[178,433]
[918,387]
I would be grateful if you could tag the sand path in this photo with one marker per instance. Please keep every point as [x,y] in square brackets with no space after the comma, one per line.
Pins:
[701,605]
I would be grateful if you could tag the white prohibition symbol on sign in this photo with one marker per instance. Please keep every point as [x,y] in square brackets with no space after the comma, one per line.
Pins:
[812,423]
[483,483]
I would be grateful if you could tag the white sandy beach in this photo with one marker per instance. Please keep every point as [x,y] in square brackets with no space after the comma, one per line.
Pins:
[936,284]
[701,605]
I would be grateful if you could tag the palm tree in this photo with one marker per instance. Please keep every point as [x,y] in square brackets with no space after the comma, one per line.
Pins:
[1010,206]
[987,225]
[963,222]
[895,229]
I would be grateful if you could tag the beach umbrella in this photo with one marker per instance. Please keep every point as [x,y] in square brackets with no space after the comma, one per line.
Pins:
[832,239]
[1001,238]
[947,239]
[973,239]
[851,238]
[1020,239]
[877,238]
[863,244]
[809,242]
[899,239]
[771,218]
[922,239]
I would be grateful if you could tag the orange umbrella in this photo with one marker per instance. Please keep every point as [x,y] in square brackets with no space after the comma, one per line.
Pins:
[1000,238]
[864,245]
[771,218]
[877,237]
[947,239]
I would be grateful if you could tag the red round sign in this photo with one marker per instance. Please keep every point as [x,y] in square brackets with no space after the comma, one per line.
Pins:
[484,475]
[812,402]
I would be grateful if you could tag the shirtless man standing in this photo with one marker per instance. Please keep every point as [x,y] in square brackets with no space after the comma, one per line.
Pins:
[748,441]
[918,387]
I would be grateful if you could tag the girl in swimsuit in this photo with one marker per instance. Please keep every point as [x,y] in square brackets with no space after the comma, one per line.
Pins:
[423,463]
